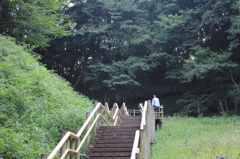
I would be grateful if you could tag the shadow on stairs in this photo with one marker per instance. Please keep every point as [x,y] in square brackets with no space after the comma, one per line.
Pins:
[114,142]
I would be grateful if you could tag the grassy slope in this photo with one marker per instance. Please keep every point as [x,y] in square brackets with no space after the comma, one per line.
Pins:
[35,104]
[198,138]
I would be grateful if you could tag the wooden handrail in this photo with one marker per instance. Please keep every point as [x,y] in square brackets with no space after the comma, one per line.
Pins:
[143,137]
[143,110]
[113,119]
[124,109]
[145,106]
[84,138]
[135,144]
[106,106]
[64,139]
[140,106]
[116,112]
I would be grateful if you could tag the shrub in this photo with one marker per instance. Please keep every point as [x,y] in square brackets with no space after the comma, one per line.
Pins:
[35,104]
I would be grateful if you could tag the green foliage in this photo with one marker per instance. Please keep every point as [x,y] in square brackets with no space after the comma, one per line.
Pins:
[33,22]
[117,76]
[187,46]
[35,104]
[204,61]
[198,38]
[197,138]
[235,94]
[193,104]
[170,106]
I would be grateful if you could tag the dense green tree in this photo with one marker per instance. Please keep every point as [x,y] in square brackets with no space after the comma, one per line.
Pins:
[33,22]
[104,31]
[118,77]
[198,34]
[188,46]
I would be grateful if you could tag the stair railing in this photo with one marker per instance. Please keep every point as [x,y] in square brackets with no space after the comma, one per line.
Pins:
[133,112]
[70,144]
[136,150]
[124,110]
[144,136]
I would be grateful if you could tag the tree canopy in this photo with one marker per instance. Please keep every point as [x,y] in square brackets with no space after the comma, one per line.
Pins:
[128,50]
[33,22]
[184,51]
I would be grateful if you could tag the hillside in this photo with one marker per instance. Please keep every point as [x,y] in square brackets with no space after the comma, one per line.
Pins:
[35,104]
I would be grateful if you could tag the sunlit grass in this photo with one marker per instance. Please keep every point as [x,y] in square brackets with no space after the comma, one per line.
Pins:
[197,138]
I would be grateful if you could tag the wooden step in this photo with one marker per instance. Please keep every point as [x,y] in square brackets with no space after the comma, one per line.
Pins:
[99,149]
[132,117]
[117,154]
[114,142]
[131,120]
[115,145]
[115,137]
[118,128]
[101,141]
[97,157]
[115,134]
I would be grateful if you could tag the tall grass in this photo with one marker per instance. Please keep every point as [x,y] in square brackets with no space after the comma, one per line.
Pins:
[35,105]
[197,138]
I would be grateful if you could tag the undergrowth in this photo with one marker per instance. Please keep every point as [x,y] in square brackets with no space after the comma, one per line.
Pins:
[197,138]
[35,104]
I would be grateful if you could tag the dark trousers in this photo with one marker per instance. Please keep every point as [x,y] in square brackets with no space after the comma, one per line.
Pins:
[156,109]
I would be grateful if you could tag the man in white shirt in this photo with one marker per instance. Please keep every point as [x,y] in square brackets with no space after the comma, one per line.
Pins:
[155,101]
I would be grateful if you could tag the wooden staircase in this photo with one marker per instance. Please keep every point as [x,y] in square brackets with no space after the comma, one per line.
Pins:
[110,142]
[114,142]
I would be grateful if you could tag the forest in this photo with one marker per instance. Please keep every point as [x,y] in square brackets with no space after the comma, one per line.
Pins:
[186,51]
[58,56]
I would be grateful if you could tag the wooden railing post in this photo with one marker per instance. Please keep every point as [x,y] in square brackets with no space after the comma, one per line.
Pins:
[88,126]
[147,130]
[150,121]
[72,146]
[114,108]
[44,156]
[65,145]
[144,143]
[106,106]
[138,156]
[147,147]
[77,156]
[161,111]
[125,113]
[96,114]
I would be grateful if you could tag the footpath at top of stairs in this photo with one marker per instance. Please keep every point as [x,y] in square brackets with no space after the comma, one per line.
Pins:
[131,120]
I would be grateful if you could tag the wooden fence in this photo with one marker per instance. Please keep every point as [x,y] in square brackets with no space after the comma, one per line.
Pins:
[70,145]
[144,136]
[134,112]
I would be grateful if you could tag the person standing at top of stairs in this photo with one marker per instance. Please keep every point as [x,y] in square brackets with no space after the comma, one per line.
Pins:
[155,102]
